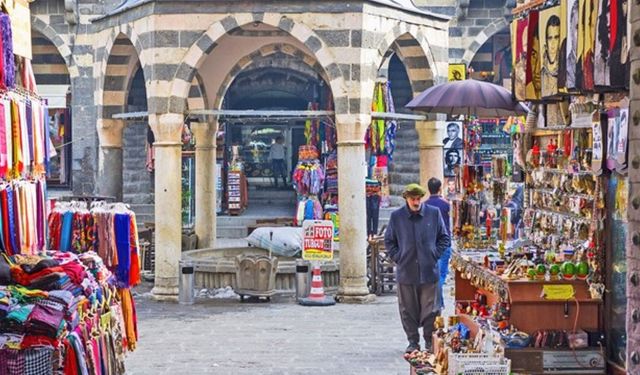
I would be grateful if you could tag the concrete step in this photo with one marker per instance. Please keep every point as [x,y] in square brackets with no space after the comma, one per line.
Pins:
[232,231]
[235,221]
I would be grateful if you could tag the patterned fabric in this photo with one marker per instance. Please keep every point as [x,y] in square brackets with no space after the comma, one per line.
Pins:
[38,361]
[15,362]
[7,43]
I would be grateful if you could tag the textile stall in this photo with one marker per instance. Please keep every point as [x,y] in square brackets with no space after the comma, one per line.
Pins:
[61,314]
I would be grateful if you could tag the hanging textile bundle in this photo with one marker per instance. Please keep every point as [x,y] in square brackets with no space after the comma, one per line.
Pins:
[392,126]
[8,63]
[109,230]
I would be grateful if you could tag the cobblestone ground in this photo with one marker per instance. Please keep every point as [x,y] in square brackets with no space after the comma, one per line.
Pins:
[217,336]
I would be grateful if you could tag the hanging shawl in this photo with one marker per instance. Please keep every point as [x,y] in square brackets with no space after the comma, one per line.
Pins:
[7,58]
[307,127]
[377,135]
[392,126]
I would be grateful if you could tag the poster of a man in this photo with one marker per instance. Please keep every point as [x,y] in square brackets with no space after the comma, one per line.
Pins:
[454,135]
[550,35]
[533,89]
[452,160]
[520,36]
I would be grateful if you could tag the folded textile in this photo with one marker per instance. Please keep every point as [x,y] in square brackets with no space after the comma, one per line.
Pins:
[45,320]
[41,265]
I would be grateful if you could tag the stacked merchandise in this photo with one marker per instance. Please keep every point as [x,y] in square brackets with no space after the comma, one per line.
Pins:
[110,230]
[308,180]
[380,139]
[22,218]
[330,196]
[59,313]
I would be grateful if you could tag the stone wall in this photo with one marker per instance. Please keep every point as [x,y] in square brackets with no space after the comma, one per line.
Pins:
[471,25]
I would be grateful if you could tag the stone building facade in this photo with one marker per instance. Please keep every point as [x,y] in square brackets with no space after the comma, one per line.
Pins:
[188,55]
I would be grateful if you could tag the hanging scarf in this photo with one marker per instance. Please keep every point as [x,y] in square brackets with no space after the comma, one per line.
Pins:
[9,66]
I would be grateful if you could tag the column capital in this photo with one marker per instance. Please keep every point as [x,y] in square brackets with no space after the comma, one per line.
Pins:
[352,127]
[110,132]
[205,134]
[167,128]
[430,133]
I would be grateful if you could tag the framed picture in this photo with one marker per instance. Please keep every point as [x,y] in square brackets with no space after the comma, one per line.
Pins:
[454,135]
[457,72]
[452,158]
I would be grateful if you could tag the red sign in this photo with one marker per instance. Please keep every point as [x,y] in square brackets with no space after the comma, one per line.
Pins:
[317,240]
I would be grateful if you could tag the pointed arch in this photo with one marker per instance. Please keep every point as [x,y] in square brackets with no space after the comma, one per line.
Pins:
[208,41]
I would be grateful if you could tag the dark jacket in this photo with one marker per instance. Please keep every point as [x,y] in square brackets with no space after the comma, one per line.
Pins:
[416,242]
[444,207]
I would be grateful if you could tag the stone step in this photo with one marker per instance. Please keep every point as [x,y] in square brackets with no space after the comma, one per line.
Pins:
[232,231]
[404,168]
[234,221]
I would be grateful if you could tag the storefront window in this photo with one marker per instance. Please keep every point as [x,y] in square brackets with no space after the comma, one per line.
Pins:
[256,142]
[59,173]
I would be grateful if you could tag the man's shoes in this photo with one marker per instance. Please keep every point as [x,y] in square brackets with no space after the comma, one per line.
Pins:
[413,346]
[428,346]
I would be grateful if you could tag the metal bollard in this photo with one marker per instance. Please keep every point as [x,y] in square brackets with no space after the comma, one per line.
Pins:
[303,278]
[187,276]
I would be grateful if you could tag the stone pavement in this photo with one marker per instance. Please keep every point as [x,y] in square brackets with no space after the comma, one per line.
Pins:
[224,336]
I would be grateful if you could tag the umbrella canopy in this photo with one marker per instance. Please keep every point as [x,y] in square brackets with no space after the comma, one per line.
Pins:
[468,97]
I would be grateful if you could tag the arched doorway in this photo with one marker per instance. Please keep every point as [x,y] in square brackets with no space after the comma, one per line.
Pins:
[54,84]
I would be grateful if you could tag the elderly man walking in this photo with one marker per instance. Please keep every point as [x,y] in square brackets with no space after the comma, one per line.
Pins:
[415,239]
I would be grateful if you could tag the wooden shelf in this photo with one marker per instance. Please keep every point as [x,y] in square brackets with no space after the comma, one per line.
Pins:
[531,312]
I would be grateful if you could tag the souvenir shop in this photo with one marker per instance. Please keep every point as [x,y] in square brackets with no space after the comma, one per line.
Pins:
[540,232]
[311,147]
[62,308]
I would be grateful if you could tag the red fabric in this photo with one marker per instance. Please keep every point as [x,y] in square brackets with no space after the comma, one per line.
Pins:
[5,219]
[70,359]
[31,341]
[613,23]
[23,278]
[75,271]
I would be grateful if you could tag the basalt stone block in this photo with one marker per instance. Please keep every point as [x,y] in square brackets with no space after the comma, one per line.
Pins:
[335,38]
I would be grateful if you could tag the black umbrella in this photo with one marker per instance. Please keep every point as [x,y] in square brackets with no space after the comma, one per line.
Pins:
[468,97]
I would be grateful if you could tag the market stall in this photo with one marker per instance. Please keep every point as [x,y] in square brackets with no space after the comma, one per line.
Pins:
[539,230]
[60,311]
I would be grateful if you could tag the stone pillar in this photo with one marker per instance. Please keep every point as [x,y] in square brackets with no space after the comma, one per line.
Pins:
[430,138]
[167,129]
[110,158]
[633,211]
[205,134]
[352,171]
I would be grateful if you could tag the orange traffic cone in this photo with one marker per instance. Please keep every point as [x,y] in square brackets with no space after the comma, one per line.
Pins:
[316,295]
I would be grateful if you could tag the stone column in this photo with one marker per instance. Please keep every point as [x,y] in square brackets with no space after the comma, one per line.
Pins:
[110,158]
[430,138]
[167,129]
[352,171]
[633,211]
[205,134]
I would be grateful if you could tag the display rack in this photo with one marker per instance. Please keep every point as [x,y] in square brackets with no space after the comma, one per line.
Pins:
[236,192]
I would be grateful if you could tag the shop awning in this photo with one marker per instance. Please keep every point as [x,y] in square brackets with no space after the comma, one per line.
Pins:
[279,114]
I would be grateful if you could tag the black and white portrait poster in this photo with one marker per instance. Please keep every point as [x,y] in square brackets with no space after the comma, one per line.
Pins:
[452,146]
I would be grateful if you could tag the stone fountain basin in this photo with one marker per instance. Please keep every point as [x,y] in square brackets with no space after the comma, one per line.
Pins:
[216,268]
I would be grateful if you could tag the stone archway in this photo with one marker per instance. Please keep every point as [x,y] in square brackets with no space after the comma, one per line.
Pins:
[209,40]
[121,63]
[40,26]
[492,29]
